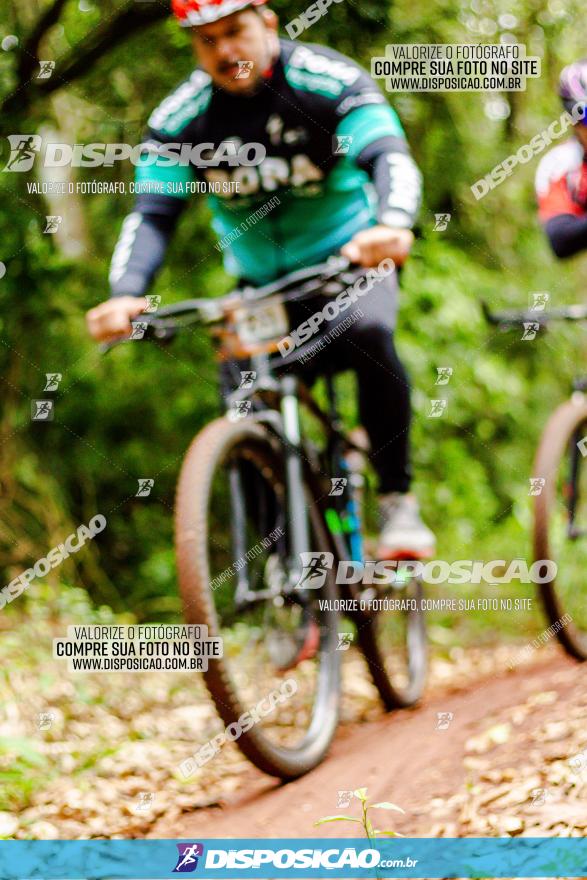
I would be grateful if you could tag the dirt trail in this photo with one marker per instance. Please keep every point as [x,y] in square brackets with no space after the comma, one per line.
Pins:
[508,732]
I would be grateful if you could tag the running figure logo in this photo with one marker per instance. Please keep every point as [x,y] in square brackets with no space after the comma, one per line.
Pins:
[342,143]
[45,720]
[42,410]
[578,762]
[345,797]
[316,567]
[139,328]
[437,408]
[240,410]
[344,641]
[144,489]
[52,223]
[24,149]
[46,69]
[187,861]
[53,380]
[539,302]
[443,720]
[441,222]
[154,301]
[530,331]
[540,796]
[338,485]
[444,375]
[145,801]
[244,69]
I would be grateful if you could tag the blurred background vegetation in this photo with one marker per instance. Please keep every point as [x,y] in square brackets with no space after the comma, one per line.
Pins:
[132,414]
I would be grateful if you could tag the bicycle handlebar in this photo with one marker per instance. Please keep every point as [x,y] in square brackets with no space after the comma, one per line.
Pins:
[533,316]
[301,284]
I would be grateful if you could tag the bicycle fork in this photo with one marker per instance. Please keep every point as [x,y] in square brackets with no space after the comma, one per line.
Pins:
[572,499]
[297,507]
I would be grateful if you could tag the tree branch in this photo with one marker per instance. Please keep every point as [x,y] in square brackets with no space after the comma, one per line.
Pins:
[29,57]
[134,17]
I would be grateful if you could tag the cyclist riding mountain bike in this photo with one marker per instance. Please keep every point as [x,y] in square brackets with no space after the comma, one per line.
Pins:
[561,178]
[337,176]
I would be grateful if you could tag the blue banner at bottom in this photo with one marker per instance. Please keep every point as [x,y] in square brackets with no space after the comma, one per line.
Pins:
[292,857]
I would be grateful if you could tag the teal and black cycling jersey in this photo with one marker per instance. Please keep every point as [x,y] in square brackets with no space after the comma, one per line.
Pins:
[334,161]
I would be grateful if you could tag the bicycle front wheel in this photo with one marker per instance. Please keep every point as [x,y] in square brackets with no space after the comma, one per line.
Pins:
[277,685]
[560,522]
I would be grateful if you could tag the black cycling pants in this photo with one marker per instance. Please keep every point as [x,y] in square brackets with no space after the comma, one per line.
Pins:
[363,342]
[361,339]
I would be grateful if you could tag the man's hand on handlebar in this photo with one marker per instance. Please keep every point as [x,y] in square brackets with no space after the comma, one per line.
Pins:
[370,246]
[111,320]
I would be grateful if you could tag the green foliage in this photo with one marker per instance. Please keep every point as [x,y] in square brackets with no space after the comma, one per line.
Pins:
[132,414]
[365,820]
[23,775]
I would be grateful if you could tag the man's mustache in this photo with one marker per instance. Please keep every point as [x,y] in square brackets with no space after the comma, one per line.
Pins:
[226,66]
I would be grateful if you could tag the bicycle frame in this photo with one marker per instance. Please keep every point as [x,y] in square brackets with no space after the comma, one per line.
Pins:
[275,400]
[278,401]
[510,319]
[288,483]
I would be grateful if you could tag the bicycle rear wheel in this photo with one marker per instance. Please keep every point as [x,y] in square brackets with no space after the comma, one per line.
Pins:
[395,643]
[269,639]
[560,522]
[393,635]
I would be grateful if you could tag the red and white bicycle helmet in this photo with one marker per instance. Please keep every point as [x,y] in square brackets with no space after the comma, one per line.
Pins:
[573,84]
[192,13]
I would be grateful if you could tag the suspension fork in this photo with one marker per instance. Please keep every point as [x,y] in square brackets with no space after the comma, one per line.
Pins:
[573,489]
[238,527]
[344,518]
[238,513]
[297,509]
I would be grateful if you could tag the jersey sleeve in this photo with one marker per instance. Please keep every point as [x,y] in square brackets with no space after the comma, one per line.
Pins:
[140,251]
[163,173]
[560,187]
[554,199]
[375,140]
[567,234]
[161,181]
[552,187]
[377,143]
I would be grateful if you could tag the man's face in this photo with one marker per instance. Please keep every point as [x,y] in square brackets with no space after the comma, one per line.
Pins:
[237,49]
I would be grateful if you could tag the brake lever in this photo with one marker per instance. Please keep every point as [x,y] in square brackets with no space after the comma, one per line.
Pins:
[152,331]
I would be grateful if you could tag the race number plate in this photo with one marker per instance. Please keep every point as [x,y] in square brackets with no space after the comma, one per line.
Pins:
[262,323]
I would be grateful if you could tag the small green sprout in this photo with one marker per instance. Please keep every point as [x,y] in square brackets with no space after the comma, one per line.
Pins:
[365,821]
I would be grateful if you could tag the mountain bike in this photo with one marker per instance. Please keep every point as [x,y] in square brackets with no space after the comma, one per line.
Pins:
[264,514]
[559,489]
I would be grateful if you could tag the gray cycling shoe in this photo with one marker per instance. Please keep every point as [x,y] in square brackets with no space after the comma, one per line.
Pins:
[404,535]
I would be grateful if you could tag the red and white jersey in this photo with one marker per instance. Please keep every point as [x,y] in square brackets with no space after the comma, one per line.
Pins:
[561,181]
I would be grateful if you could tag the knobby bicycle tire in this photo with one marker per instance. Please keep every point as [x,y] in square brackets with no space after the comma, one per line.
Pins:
[208,451]
[558,433]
